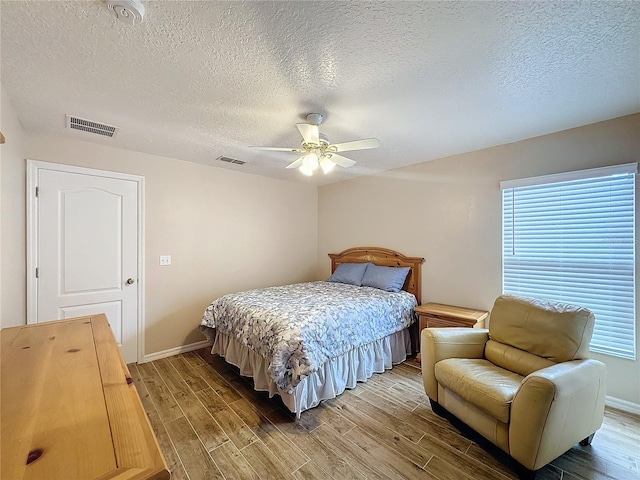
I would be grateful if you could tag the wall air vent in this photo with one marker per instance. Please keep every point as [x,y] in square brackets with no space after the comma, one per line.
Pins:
[231,160]
[89,126]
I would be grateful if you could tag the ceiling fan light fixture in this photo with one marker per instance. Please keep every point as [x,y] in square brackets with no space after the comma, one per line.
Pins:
[310,161]
[305,170]
[326,164]
[316,151]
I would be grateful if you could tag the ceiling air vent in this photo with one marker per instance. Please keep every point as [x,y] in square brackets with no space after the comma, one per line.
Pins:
[231,160]
[89,126]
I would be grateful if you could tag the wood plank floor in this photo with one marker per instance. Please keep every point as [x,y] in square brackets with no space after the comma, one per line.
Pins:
[211,424]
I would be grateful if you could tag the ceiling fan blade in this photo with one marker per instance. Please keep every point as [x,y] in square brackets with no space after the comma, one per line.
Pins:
[279,149]
[297,163]
[363,144]
[340,160]
[309,133]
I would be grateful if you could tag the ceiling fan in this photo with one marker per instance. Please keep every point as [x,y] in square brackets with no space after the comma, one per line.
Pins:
[316,151]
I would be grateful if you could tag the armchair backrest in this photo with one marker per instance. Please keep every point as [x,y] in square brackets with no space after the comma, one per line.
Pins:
[528,334]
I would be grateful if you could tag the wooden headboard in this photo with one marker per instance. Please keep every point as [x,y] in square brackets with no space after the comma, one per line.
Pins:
[387,258]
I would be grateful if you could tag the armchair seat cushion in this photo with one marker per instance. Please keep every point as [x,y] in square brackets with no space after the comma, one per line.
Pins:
[481,383]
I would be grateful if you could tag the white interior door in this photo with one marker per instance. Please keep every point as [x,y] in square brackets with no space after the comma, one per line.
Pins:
[87,250]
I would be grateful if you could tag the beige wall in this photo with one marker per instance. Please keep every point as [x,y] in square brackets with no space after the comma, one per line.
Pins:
[449,211]
[12,240]
[226,231]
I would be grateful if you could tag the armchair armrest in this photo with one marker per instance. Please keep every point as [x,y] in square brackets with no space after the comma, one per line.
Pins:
[554,409]
[452,342]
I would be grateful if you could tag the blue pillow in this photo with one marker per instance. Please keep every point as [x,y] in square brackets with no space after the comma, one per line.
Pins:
[349,273]
[390,279]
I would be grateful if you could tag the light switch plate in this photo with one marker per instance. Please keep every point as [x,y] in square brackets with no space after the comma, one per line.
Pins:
[165,260]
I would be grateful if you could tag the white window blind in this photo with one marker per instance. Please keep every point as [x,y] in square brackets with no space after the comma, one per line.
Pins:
[572,239]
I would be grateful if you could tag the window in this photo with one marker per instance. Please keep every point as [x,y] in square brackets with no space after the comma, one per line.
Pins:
[571,238]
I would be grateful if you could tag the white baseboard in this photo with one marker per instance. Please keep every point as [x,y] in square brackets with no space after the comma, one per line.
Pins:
[175,351]
[623,405]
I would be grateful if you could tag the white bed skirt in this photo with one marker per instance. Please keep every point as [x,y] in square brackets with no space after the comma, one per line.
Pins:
[331,379]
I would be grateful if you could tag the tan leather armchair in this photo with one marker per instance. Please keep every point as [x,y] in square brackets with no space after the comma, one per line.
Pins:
[526,384]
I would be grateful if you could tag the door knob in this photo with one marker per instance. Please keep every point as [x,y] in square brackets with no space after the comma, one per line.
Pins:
[130,281]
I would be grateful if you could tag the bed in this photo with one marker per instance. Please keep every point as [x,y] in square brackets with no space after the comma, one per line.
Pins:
[308,342]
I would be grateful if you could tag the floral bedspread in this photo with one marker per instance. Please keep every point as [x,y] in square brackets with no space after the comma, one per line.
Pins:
[301,326]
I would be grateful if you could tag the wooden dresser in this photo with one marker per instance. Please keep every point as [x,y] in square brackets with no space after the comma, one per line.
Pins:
[69,407]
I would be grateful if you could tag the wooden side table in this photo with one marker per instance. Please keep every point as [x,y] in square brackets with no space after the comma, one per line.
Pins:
[439,315]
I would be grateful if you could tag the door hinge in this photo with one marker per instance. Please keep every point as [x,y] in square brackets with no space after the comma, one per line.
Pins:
[37,191]
[37,272]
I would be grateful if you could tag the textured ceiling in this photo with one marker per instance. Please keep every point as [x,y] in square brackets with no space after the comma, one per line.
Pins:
[197,80]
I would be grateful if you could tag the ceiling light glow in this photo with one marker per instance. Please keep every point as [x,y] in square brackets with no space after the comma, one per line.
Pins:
[326,164]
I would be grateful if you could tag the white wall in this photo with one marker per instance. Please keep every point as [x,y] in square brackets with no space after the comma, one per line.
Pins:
[449,211]
[226,231]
